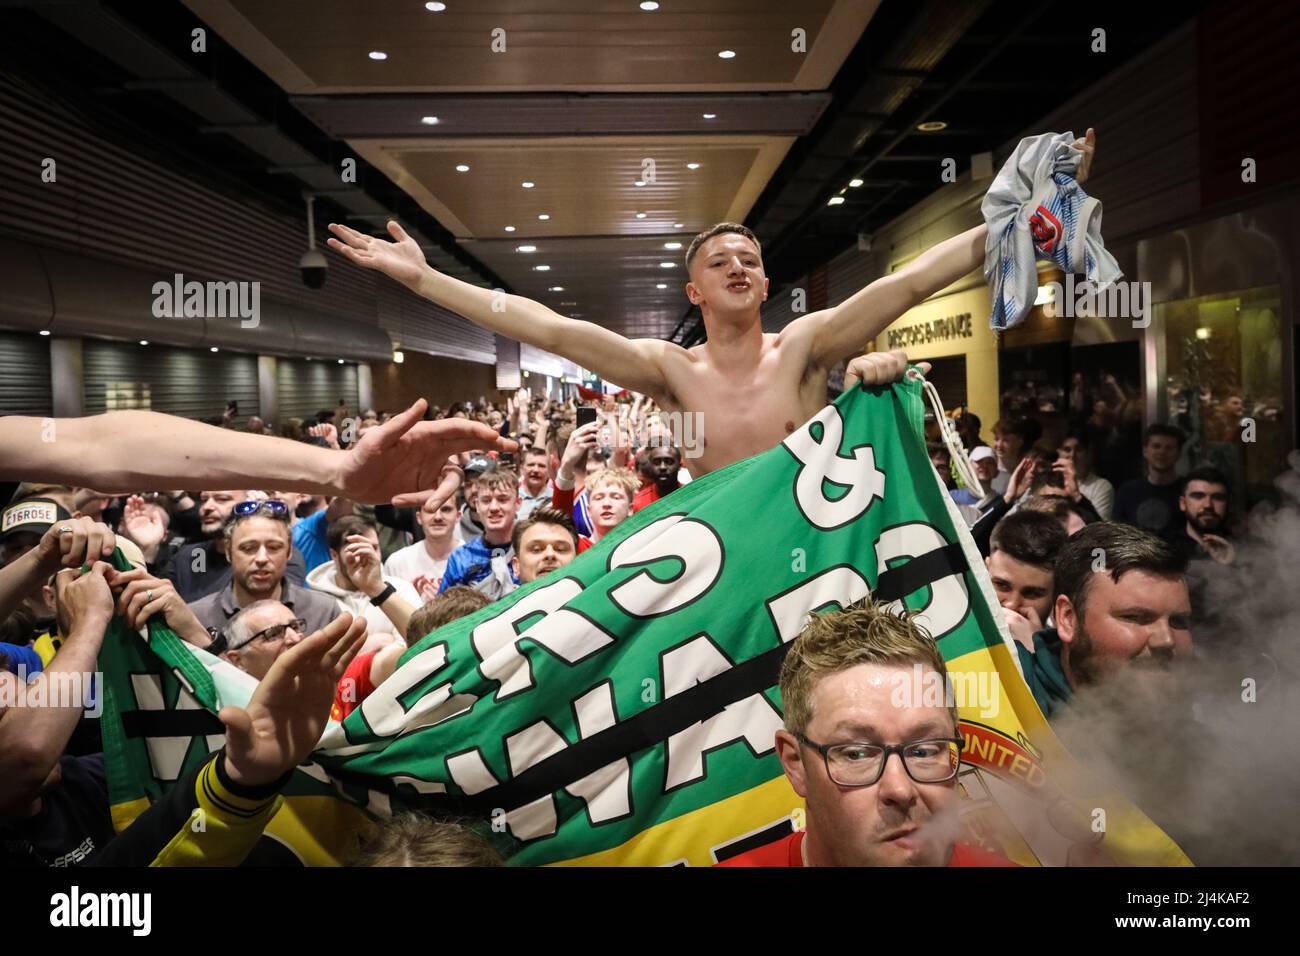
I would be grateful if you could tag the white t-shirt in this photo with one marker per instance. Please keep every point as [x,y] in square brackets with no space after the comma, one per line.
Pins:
[413,565]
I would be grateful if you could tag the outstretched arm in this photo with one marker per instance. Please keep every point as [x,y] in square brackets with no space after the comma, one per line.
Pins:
[633,363]
[149,451]
[842,331]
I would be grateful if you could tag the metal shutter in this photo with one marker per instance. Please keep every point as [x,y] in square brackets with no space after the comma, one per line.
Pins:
[186,382]
[948,375]
[306,387]
[25,375]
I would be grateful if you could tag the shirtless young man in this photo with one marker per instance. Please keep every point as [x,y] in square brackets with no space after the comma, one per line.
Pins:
[759,387]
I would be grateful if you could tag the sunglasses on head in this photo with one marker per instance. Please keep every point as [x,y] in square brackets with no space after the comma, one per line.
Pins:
[274,505]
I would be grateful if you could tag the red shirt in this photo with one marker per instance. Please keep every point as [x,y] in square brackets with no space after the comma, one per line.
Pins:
[354,686]
[788,851]
[647,496]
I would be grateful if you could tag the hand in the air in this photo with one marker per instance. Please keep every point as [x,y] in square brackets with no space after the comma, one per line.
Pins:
[401,260]
[142,524]
[1089,147]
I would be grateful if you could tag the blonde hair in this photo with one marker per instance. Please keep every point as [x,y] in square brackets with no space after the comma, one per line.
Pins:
[623,478]
[863,633]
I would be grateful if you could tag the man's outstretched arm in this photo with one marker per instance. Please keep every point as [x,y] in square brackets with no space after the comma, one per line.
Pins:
[632,363]
[149,451]
[843,331]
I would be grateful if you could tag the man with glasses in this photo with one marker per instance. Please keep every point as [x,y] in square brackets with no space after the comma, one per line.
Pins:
[865,744]
[258,542]
[264,630]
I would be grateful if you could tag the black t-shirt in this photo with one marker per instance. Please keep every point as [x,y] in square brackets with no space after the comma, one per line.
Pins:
[1151,507]
[73,823]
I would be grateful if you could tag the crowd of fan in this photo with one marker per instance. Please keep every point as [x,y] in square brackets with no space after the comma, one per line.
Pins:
[251,575]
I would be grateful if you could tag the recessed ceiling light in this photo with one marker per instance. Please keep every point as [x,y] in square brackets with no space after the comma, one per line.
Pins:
[45,331]
[661,285]
[435,7]
[340,361]
[726,54]
[667,265]
[462,168]
[649,6]
[677,225]
[214,349]
[931,126]
[835,201]
[144,341]
[525,248]
[378,55]
[672,245]
[855,183]
[429,120]
[692,165]
[542,268]
[556,288]
[640,215]
[510,228]
[544,216]
[639,182]
[710,115]
[527,185]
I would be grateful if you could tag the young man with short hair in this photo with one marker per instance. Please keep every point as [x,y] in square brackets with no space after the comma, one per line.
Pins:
[1131,611]
[878,770]
[535,489]
[485,561]
[354,578]
[1204,505]
[1151,502]
[755,387]
[542,543]
[1022,553]
[422,564]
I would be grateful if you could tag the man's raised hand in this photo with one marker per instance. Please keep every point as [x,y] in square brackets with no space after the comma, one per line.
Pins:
[1088,144]
[286,716]
[879,368]
[401,260]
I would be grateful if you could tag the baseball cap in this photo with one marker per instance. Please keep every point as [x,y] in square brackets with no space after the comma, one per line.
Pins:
[34,515]
[980,453]
[478,465]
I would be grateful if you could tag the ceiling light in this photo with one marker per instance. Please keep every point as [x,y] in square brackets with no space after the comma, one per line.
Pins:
[639,182]
[527,185]
[692,165]
[525,248]
[542,268]
[672,245]
[462,168]
[435,7]
[710,115]
[45,331]
[544,216]
[661,285]
[556,288]
[340,361]
[649,6]
[855,183]
[727,54]
[677,225]
[667,265]
[378,55]
[640,215]
[144,341]
[429,120]
[835,201]
[214,349]
[931,126]
[398,356]
[510,228]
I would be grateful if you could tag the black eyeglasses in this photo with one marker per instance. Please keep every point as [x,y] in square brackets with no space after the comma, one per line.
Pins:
[274,505]
[274,633]
[861,764]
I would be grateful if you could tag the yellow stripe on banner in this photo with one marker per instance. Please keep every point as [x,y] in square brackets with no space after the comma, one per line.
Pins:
[692,837]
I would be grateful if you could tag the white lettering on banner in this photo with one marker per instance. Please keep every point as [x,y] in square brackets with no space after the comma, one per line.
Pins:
[948,595]
[567,634]
[753,719]
[822,461]
[384,711]
[693,543]
[842,586]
